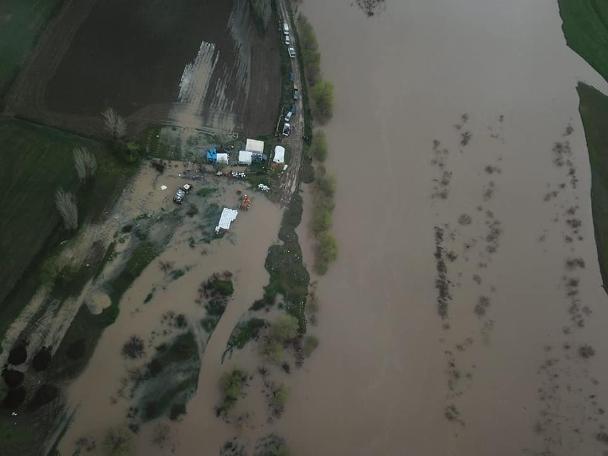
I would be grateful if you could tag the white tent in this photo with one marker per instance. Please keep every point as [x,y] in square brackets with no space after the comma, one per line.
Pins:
[279,154]
[245,157]
[253,145]
[222,158]
[228,216]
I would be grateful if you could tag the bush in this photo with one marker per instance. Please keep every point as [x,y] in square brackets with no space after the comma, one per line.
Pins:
[133,348]
[118,442]
[322,97]
[309,48]
[321,219]
[284,328]
[278,399]
[310,345]
[318,146]
[326,253]
[231,384]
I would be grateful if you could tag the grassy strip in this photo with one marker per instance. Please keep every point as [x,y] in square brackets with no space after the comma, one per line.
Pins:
[594,113]
[288,275]
[585,25]
[36,162]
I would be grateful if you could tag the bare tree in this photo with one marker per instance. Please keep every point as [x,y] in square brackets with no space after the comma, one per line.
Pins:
[114,123]
[85,163]
[66,205]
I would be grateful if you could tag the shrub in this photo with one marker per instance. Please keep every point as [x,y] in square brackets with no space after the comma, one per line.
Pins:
[284,328]
[133,348]
[310,345]
[118,441]
[319,146]
[278,399]
[231,384]
[322,96]
[586,351]
[326,253]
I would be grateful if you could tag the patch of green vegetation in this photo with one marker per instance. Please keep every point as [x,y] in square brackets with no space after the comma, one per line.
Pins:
[326,249]
[206,191]
[232,385]
[318,146]
[594,113]
[224,287]
[245,331]
[141,257]
[171,378]
[288,275]
[36,162]
[310,345]
[271,445]
[21,22]
[322,96]
[585,25]
[282,331]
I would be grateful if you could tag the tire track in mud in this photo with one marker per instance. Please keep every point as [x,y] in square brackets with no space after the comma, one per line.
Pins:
[464,243]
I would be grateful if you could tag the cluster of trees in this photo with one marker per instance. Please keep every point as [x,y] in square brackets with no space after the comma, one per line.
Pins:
[322,105]
[321,92]
[232,385]
[282,331]
[326,250]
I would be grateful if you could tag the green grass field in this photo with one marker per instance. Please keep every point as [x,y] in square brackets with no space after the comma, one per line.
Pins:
[36,161]
[585,25]
[21,22]
[594,113]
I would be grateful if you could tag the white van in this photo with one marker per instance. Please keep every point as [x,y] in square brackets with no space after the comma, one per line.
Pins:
[285,28]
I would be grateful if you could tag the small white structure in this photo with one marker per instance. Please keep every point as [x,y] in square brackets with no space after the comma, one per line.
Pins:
[222,158]
[253,145]
[279,155]
[264,188]
[228,216]
[245,157]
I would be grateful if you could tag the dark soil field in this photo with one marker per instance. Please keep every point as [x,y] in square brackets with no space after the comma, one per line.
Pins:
[131,56]
[36,162]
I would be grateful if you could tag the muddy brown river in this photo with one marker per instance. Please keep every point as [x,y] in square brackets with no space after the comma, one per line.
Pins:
[507,185]
[465,314]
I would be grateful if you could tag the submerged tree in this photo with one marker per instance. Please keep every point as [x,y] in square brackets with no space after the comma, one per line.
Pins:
[322,101]
[85,163]
[66,205]
[115,124]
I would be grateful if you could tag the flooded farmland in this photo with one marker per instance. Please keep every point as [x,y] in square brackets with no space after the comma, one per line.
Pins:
[465,313]
[459,315]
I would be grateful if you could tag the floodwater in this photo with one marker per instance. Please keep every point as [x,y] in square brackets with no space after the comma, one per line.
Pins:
[508,212]
[100,398]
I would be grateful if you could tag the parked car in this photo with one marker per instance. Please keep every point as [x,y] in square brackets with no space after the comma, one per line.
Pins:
[286,129]
[179,196]
[296,93]
[287,40]
[186,188]
[285,28]
[292,52]
[288,116]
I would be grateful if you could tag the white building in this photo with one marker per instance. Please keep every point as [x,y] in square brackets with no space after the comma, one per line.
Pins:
[245,157]
[253,145]
[228,216]
[222,158]
[279,155]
